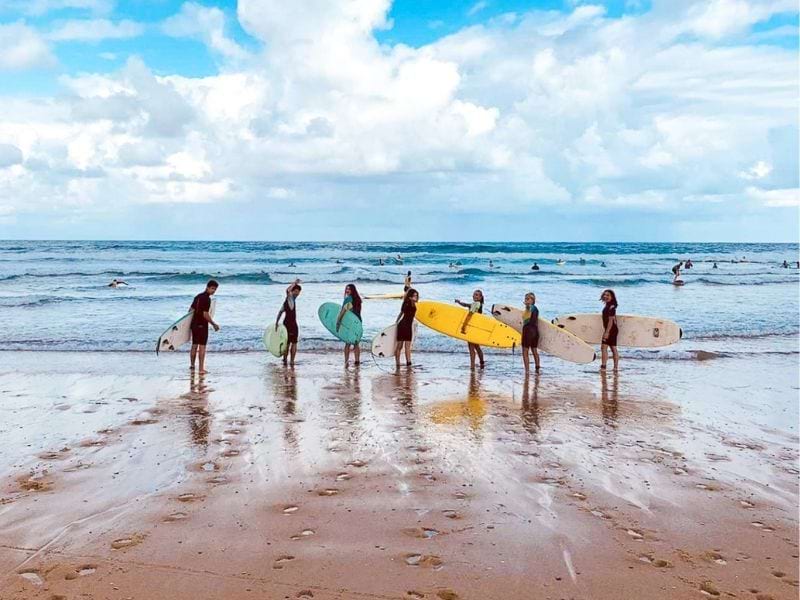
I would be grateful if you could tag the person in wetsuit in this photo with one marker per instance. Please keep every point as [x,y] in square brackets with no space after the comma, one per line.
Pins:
[407,282]
[405,326]
[201,317]
[352,302]
[610,329]
[289,312]
[530,332]
[475,307]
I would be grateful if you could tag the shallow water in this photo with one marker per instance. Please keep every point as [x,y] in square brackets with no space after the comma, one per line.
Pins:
[54,295]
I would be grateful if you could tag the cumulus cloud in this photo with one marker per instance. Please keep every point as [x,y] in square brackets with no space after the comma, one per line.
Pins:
[38,8]
[95,30]
[575,110]
[206,24]
[9,155]
[22,47]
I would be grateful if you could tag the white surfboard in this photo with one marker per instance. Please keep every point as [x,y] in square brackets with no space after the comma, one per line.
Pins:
[552,340]
[634,331]
[389,296]
[384,343]
[180,332]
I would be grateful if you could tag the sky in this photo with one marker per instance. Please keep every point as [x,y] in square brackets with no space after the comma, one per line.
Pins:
[538,120]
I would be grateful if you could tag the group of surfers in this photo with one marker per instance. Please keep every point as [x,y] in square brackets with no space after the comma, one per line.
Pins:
[202,319]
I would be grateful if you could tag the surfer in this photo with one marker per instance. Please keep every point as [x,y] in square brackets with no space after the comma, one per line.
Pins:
[405,326]
[530,332]
[689,264]
[476,306]
[785,265]
[491,264]
[676,271]
[407,283]
[380,262]
[535,267]
[582,261]
[118,282]
[352,302]
[399,259]
[715,266]
[603,264]
[289,312]
[201,317]
[610,329]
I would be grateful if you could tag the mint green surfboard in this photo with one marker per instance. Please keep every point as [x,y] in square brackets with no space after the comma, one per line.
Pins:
[276,339]
[351,329]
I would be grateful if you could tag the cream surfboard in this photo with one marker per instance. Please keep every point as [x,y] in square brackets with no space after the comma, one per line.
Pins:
[390,296]
[552,340]
[480,329]
[384,343]
[276,339]
[634,331]
[180,332]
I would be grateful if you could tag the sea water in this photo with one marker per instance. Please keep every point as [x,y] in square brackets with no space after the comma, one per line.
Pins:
[55,295]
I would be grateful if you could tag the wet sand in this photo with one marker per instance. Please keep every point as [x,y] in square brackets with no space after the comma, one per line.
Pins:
[123,477]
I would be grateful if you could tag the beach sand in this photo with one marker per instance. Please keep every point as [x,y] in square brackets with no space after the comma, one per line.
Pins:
[124,477]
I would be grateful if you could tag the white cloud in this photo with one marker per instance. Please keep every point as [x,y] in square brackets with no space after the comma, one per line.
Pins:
[38,8]
[477,7]
[21,47]
[9,155]
[207,24]
[95,30]
[546,109]
[783,198]
[720,18]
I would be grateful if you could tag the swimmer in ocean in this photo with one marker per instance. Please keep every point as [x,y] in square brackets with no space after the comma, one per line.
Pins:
[535,267]
[116,283]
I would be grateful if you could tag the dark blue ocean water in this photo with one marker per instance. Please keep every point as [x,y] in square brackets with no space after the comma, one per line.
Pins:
[54,295]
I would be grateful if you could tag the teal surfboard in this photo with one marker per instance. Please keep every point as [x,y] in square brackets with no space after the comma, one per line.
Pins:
[276,340]
[349,332]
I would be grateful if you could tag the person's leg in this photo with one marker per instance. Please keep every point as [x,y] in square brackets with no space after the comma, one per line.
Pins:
[192,356]
[603,355]
[346,354]
[479,352]
[471,356]
[293,350]
[615,354]
[397,347]
[357,353]
[526,359]
[201,353]
[408,353]
[536,357]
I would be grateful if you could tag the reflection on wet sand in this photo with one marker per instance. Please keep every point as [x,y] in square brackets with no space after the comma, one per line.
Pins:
[197,403]
[284,388]
[609,399]
[473,409]
[530,405]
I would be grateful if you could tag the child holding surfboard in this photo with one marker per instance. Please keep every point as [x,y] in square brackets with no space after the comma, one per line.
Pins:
[405,326]
[476,306]
[530,332]
[610,329]
[289,312]
[351,303]
[201,317]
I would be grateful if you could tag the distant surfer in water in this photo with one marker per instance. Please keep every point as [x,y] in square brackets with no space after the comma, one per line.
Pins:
[715,266]
[785,265]
[352,303]
[582,261]
[491,264]
[407,282]
[118,282]
[201,317]
[603,264]
[476,306]
[380,262]
[535,267]
[689,264]
[676,271]
[610,329]
[530,332]
[405,326]
[289,312]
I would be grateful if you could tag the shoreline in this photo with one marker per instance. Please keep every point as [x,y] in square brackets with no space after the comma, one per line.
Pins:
[125,475]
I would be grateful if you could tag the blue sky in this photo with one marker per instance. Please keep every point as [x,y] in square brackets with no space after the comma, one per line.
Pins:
[371,119]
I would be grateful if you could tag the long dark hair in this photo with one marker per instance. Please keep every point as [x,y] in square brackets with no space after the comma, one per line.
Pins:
[613,297]
[407,298]
[356,298]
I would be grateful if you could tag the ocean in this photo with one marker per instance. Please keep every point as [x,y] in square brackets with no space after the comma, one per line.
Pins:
[54,295]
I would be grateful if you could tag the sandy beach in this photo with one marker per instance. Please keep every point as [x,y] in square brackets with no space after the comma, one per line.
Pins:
[124,477]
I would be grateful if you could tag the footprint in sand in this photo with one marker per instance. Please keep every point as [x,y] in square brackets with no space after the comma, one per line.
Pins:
[746,504]
[282,560]
[328,492]
[32,576]
[635,534]
[656,562]
[428,561]
[343,476]
[127,542]
[92,443]
[56,455]
[306,533]
[207,467]
[218,480]
[414,594]
[144,421]
[451,514]
[230,453]
[578,495]
[83,571]
[304,594]
[447,595]
[233,431]
[715,557]
[80,466]
[709,589]
[34,483]
[190,497]
[175,517]
[357,464]
[421,532]
[290,509]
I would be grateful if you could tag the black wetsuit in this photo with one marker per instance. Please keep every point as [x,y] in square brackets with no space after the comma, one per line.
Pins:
[405,328]
[610,310]
[201,305]
[530,330]
[290,320]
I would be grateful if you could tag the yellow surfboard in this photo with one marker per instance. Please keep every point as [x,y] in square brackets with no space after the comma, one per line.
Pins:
[481,329]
